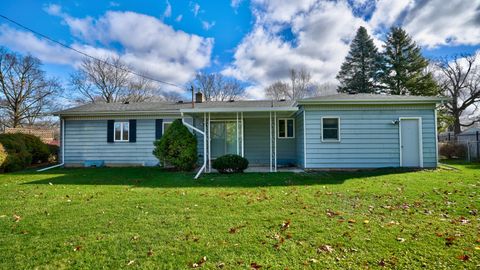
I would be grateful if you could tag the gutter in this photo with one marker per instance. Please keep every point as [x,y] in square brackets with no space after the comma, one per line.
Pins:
[204,166]
[244,109]
[62,149]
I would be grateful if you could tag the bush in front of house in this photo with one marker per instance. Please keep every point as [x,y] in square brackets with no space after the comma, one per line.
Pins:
[453,150]
[23,150]
[230,164]
[177,147]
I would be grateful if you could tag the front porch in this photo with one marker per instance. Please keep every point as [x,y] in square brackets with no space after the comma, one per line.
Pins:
[265,138]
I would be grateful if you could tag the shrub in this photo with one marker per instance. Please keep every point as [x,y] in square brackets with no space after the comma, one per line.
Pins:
[3,156]
[23,149]
[38,149]
[230,164]
[177,147]
[54,152]
[453,150]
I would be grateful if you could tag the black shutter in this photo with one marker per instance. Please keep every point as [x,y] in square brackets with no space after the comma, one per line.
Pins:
[158,129]
[110,124]
[133,131]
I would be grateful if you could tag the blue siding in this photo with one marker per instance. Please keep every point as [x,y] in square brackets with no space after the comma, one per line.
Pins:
[257,144]
[368,137]
[299,138]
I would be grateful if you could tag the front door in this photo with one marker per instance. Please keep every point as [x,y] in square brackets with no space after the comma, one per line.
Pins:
[410,145]
[223,138]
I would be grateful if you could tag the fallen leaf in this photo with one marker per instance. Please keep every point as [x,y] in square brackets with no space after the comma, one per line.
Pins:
[200,262]
[366,221]
[449,240]
[477,248]
[131,262]
[77,248]
[285,225]
[401,240]
[16,218]
[254,265]
[150,252]
[325,249]
[313,260]
[464,257]
[351,221]
[135,238]
[381,263]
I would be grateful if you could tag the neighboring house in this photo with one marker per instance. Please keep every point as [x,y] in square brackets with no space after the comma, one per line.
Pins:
[330,132]
[46,135]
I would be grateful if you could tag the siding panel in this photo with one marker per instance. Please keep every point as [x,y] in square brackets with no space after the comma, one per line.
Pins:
[368,137]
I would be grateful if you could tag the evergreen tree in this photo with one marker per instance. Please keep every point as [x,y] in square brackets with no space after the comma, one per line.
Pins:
[404,67]
[359,71]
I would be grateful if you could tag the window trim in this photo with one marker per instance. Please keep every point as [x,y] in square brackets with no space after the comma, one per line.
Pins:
[338,132]
[122,123]
[163,126]
[286,128]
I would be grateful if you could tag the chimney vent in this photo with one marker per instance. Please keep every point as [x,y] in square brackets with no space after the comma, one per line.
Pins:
[198,97]
[180,102]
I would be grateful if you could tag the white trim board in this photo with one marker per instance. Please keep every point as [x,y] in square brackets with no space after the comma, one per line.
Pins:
[420,138]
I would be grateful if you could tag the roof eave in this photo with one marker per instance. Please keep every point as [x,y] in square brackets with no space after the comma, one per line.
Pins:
[369,102]
[107,113]
[245,109]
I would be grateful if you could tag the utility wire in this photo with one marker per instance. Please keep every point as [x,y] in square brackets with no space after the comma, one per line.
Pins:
[85,54]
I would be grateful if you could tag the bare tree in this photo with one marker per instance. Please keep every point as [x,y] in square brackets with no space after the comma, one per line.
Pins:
[300,86]
[216,87]
[459,79]
[103,80]
[140,89]
[26,92]
[277,90]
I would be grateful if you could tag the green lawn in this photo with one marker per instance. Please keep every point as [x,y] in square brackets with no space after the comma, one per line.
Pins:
[149,218]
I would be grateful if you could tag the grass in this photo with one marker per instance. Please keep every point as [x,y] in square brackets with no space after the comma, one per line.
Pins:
[151,219]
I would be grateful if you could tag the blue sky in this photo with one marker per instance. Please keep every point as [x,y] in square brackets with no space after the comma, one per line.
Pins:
[254,41]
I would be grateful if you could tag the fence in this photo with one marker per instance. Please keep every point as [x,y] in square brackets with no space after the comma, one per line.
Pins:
[473,150]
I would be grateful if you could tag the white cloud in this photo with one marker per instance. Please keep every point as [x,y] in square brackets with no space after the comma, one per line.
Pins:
[168,10]
[151,47]
[235,3]
[195,8]
[179,18]
[433,24]
[264,56]
[27,43]
[53,9]
[207,25]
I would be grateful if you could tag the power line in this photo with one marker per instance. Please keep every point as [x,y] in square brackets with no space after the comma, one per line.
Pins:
[85,54]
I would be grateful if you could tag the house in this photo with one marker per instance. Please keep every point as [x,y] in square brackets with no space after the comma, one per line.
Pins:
[330,132]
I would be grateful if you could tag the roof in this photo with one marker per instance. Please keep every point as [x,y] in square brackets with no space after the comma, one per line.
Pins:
[240,105]
[370,99]
[172,107]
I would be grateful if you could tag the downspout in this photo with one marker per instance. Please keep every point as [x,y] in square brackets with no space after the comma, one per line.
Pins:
[62,148]
[204,141]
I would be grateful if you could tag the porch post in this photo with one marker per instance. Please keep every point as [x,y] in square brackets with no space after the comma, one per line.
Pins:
[238,137]
[270,125]
[275,140]
[243,134]
[205,140]
[209,146]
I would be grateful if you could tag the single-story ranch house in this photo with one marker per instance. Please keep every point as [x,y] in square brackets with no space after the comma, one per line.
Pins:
[330,132]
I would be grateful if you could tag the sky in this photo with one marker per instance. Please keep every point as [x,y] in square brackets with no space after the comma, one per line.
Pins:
[255,41]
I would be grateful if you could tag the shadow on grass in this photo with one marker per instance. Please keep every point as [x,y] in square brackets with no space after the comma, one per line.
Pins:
[159,178]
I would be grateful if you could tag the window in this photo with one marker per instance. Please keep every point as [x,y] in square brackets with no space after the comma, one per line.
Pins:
[286,128]
[330,129]
[166,125]
[122,130]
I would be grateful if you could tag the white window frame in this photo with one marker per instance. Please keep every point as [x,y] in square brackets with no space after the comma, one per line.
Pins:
[338,132]
[286,130]
[121,131]
[163,126]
